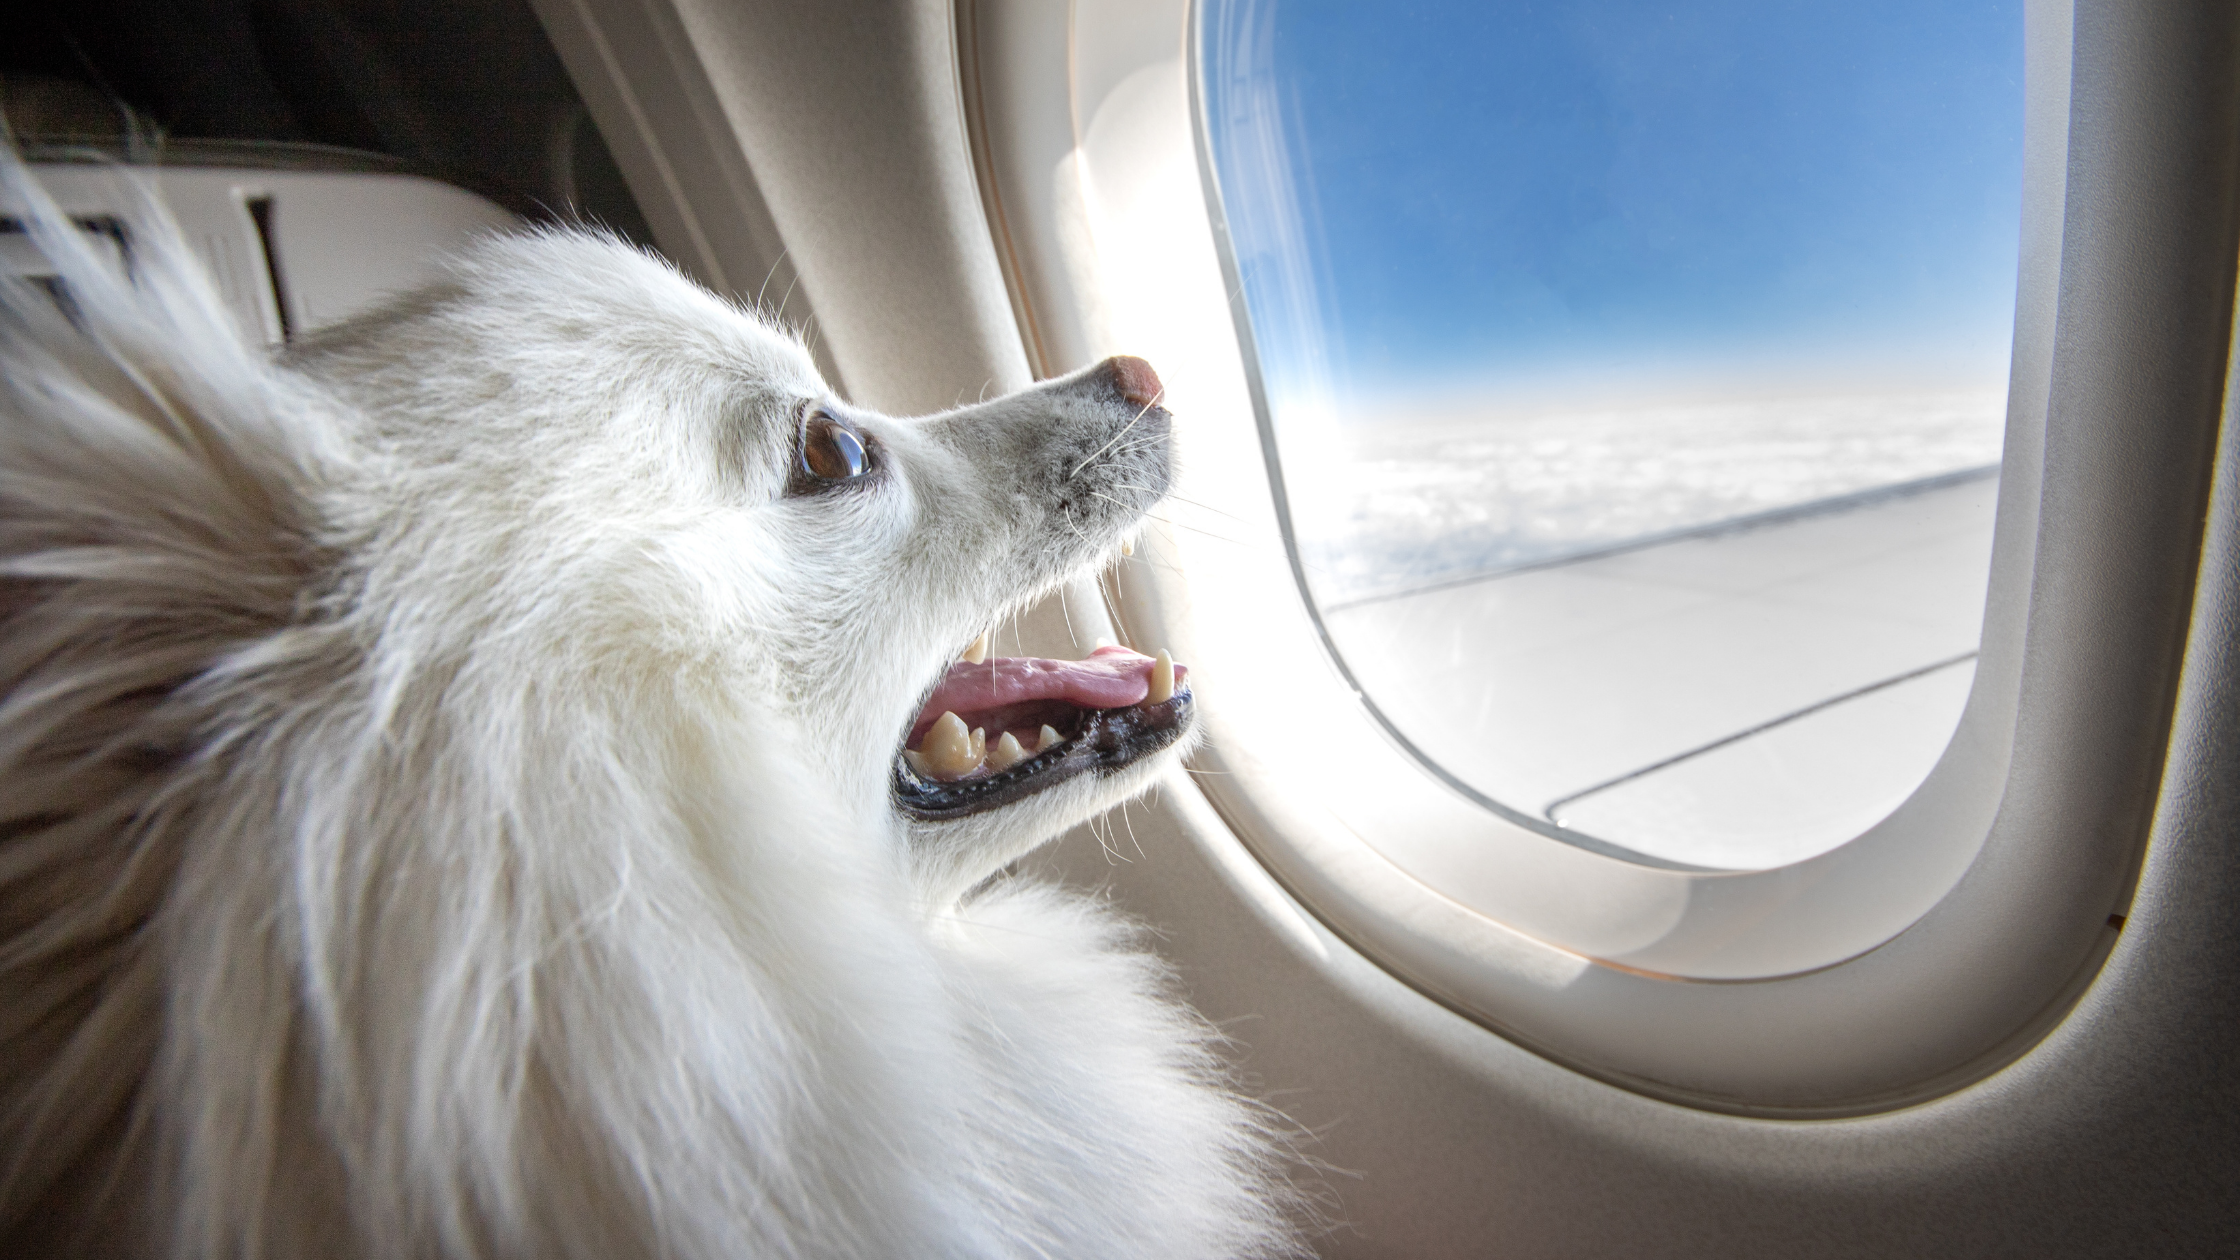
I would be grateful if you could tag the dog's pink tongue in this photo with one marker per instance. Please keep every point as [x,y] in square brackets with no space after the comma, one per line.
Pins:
[1109,678]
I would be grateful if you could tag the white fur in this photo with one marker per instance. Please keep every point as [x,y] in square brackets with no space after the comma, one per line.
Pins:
[444,807]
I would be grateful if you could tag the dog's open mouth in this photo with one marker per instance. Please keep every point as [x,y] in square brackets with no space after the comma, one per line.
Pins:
[998,730]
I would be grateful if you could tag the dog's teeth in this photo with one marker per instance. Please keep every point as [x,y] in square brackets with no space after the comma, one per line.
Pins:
[1127,546]
[918,763]
[979,744]
[1104,641]
[1007,753]
[1048,740]
[948,748]
[1162,679]
[978,652]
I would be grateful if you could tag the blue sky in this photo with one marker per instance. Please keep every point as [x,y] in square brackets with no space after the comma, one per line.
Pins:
[1500,190]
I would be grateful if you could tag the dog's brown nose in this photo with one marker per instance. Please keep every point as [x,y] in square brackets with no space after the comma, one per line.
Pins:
[1138,383]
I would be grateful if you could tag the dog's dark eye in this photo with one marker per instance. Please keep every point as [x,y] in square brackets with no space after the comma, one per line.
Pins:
[831,451]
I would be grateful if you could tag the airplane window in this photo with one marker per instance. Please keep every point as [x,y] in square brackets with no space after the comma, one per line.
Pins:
[1638,377]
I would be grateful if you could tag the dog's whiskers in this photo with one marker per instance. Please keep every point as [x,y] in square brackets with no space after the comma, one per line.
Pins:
[1172,523]
[1124,821]
[1117,436]
[1204,507]
[1140,558]
[1309,565]
[1112,852]
[769,275]
[1133,447]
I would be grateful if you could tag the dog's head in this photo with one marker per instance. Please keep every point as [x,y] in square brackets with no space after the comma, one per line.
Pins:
[599,466]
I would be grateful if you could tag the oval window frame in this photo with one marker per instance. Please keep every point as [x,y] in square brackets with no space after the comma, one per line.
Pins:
[1920,956]
[1071,119]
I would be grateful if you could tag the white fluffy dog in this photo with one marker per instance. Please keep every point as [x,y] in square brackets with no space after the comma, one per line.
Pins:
[454,797]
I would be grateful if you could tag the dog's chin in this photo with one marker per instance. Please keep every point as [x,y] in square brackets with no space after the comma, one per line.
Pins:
[1082,737]
[956,855]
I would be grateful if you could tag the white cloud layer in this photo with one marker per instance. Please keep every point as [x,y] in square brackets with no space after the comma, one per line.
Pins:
[1394,506]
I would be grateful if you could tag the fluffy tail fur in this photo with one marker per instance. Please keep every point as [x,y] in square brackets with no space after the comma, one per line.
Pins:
[153,534]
